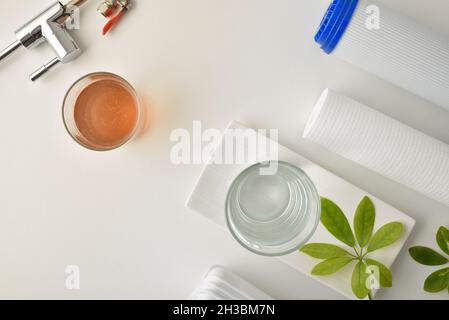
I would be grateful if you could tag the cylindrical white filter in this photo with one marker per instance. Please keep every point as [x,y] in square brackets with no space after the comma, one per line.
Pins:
[380,143]
[222,284]
[390,45]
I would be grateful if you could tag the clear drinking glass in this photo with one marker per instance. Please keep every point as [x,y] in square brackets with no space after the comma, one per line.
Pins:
[102,111]
[276,214]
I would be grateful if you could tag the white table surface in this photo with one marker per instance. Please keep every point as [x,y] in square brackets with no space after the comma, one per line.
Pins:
[120,215]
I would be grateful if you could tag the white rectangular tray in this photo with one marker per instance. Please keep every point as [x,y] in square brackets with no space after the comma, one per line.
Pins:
[209,196]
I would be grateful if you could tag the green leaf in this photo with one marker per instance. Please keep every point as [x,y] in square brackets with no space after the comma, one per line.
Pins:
[385,275]
[443,239]
[385,236]
[330,266]
[358,281]
[437,281]
[427,256]
[364,221]
[335,222]
[323,251]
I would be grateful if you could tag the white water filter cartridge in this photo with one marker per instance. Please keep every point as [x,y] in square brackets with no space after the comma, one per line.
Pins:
[390,45]
[382,144]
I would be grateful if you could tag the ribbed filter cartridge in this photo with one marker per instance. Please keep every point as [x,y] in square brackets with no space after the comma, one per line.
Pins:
[382,144]
[394,47]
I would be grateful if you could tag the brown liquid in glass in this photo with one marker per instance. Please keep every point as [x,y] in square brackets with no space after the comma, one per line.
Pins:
[105,113]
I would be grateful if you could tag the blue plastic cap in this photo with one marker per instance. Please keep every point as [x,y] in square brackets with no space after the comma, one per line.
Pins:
[334,23]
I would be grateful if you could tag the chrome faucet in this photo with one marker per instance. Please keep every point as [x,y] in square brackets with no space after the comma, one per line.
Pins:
[48,26]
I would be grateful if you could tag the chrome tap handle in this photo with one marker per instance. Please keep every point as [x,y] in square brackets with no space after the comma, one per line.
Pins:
[44,69]
[48,27]
[10,49]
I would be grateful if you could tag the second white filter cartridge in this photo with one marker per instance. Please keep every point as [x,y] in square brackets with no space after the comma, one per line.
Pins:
[382,144]
[390,45]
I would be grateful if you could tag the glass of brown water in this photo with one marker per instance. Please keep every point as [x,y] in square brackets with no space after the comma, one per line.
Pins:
[102,111]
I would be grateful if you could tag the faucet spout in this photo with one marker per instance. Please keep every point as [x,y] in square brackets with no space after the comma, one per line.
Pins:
[47,27]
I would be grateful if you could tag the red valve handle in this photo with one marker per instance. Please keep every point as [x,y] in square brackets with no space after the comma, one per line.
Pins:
[112,21]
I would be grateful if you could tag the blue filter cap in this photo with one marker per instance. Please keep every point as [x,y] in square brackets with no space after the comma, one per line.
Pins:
[334,23]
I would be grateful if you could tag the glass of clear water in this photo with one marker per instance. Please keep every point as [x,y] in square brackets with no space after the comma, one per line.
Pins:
[273,214]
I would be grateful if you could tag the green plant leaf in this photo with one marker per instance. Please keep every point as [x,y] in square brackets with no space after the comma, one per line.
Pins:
[364,221]
[323,251]
[437,281]
[331,266]
[335,222]
[427,256]
[358,281]
[385,275]
[443,239]
[385,236]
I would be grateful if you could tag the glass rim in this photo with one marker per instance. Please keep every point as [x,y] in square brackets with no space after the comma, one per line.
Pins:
[238,238]
[134,94]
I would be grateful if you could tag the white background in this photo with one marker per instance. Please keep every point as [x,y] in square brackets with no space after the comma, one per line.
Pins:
[120,215]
